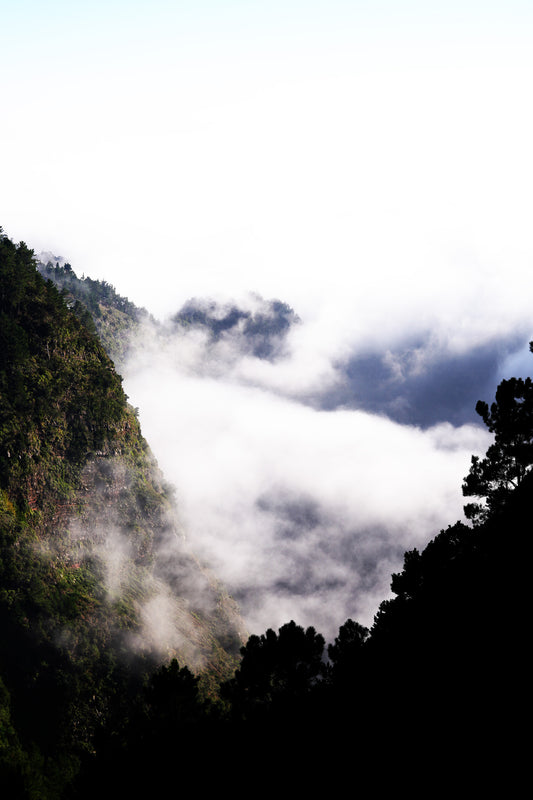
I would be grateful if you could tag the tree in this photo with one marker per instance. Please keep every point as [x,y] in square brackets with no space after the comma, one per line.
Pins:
[346,654]
[277,671]
[173,698]
[510,457]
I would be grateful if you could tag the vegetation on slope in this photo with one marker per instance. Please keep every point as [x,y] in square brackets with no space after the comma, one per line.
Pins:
[92,559]
[98,305]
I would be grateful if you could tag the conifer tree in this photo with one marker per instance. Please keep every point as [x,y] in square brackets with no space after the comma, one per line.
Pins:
[510,457]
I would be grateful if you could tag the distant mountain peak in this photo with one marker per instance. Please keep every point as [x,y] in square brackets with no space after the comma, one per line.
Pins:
[259,329]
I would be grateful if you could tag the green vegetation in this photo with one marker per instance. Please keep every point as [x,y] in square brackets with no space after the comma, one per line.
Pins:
[60,398]
[77,478]
[98,306]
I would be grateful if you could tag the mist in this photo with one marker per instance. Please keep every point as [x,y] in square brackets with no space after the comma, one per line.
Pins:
[301,482]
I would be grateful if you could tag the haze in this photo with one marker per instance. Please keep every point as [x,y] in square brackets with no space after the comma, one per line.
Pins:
[367,163]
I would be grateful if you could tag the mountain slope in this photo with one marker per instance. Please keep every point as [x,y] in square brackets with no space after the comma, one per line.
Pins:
[96,579]
[97,304]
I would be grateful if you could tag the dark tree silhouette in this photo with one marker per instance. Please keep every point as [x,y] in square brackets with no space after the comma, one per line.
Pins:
[346,655]
[277,671]
[172,697]
[510,457]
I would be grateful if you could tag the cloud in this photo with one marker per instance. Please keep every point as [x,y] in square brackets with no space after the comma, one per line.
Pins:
[159,599]
[303,512]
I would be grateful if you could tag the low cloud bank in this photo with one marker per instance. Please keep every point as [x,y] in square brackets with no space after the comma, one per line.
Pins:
[303,484]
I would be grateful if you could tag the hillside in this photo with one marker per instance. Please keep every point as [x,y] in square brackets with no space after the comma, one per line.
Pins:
[97,304]
[96,578]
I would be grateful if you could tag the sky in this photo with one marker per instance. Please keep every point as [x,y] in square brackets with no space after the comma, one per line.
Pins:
[368,163]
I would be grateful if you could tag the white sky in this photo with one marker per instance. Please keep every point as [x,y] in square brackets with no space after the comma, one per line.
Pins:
[368,162]
[177,148]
